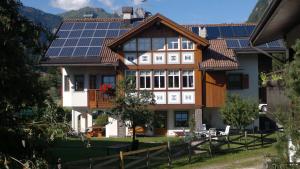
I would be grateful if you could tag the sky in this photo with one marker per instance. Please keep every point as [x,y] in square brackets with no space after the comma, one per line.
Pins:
[180,11]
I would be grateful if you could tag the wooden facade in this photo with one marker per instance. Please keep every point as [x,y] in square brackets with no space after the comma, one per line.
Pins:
[215,92]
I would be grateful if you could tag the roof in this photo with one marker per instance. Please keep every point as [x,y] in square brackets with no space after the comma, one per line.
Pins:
[280,17]
[164,20]
[218,56]
[89,41]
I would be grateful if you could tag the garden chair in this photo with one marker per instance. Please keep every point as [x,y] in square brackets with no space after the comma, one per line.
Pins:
[201,131]
[226,132]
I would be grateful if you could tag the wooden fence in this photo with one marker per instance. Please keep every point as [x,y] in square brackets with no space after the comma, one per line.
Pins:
[166,154]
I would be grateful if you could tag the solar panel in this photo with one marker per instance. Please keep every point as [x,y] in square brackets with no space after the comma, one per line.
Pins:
[100,33]
[122,31]
[62,34]
[93,51]
[102,25]
[78,25]
[226,31]
[97,42]
[53,52]
[244,43]
[90,25]
[58,42]
[66,26]
[232,43]
[114,25]
[71,42]
[84,42]
[275,44]
[250,29]
[87,33]
[80,51]
[67,51]
[75,34]
[195,30]
[213,32]
[112,33]
[240,31]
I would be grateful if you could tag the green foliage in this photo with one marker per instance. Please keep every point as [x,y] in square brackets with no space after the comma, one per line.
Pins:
[239,112]
[263,78]
[131,105]
[101,120]
[258,11]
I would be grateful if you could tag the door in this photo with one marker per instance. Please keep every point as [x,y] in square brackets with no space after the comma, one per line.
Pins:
[161,123]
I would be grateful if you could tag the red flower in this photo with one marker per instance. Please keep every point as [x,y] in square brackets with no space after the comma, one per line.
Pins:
[105,87]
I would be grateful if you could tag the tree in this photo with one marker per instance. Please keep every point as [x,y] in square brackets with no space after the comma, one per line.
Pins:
[131,105]
[239,112]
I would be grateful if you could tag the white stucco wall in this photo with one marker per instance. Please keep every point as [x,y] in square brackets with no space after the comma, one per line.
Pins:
[248,65]
[111,128]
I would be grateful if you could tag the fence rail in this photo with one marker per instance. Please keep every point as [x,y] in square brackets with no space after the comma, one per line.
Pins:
[166,154]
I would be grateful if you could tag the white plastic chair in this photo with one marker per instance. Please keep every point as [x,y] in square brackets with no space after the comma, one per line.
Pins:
[226,132]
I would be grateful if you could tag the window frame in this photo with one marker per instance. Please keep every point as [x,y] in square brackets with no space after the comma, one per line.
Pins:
[173,79]
[187,119]
[114,77]
[159,79]
[169,40]
[188,79]
[187,41]
[76,83]
[229,86]
[128,73]
[145,79]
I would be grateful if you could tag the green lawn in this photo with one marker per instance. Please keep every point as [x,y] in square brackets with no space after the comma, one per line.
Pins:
[239,159]
[73,149]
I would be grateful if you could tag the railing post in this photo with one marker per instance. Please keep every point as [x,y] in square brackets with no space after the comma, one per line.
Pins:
[246,143]
[261,139]
[169,155]
[228,141]
[190,151]
[210,145]
[148,159]
[91,163]
[122,160]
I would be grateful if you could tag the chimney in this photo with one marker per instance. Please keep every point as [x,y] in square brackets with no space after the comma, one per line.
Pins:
[127,13]
[202,32]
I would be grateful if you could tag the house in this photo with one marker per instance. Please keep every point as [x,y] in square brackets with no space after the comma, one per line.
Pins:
[189,68]
[280,21]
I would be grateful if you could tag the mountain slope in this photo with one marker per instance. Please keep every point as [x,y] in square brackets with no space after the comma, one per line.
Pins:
[47,20]
[258,10]
[97,12]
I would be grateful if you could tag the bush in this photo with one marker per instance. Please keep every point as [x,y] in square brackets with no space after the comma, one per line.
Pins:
[101,120]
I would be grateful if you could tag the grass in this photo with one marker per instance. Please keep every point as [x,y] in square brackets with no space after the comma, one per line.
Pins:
[237,159]
[74,149]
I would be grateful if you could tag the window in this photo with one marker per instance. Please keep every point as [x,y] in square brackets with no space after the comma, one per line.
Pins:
[67,83]
[79,82]
[187,44]
[144,44]
[188,57]
[181,119]
[173,58]
[93,81]
[130,45]
[188,79]
[173,78]
[159,58]
[109,79]
[145,79]
[158,44]
[131,75]
[130,59]
[173,43]
[159,79]
[237,81]
[144,58]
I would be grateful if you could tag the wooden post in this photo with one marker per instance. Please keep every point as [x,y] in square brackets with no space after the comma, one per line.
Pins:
[210,150]
[148,159]
[228,141]
[190,151]
[169,155]
[246,143]
[261,139]
[122,160]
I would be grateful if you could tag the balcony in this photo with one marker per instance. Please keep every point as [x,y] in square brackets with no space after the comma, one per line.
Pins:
[99,100]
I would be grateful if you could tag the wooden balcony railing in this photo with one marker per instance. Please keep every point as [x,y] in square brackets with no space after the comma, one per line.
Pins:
[98,99]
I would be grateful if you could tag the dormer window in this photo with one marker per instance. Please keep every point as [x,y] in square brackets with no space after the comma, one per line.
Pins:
[186,44]
[173,43]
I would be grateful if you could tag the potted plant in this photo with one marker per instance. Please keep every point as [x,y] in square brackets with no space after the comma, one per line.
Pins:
[264,79]
[107,89]
[276,80]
